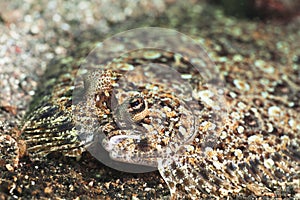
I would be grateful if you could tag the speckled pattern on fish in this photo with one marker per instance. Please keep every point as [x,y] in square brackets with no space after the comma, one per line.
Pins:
[255,151]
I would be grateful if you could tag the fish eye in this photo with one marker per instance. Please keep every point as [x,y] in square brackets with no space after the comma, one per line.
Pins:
[135,102]
[136,105]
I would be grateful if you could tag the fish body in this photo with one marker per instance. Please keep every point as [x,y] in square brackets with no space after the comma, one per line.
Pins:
[208,138]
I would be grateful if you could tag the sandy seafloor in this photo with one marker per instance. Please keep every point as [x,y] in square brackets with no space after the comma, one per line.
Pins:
[34,32]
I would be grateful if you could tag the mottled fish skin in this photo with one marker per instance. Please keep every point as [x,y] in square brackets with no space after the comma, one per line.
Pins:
[48,125]
[255,151]
[50,121]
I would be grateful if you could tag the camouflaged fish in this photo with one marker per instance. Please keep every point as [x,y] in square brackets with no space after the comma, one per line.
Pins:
[172,121]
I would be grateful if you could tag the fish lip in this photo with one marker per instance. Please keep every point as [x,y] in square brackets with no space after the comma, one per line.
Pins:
[110,144]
